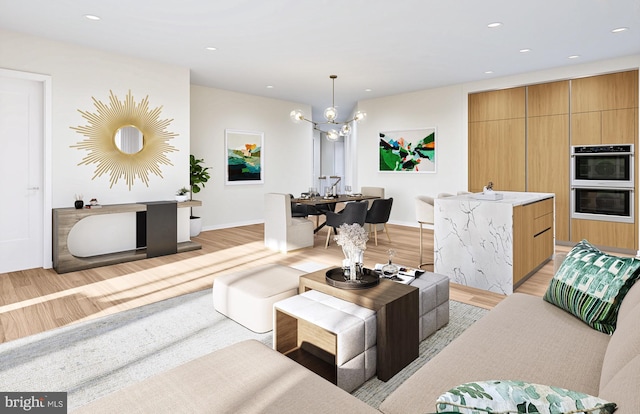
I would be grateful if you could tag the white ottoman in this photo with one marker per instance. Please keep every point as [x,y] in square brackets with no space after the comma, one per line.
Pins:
[248,296]
[341,333]
[434,302]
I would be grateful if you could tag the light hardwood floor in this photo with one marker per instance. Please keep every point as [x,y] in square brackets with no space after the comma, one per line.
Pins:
[36,300]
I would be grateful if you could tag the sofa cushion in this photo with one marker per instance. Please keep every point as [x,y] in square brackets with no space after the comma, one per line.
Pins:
[623,347]
[623,388]
[247,377]
[591,284]
[506,396]
[523,337]
[631,299]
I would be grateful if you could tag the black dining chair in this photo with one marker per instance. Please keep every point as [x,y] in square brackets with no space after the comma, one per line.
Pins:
[297,209]
[379,214]
[320,210]
[354,212]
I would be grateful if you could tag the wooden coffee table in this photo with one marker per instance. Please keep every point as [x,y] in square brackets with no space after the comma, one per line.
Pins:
[396,307]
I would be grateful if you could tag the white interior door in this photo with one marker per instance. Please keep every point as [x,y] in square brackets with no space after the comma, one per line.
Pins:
[21,174]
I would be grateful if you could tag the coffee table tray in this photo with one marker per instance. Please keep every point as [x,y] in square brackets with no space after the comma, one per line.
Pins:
[335,277]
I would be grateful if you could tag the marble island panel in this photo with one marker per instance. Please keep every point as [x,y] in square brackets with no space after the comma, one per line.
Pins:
[474,239]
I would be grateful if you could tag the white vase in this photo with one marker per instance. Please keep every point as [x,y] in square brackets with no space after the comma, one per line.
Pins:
[354,257]
[181,198]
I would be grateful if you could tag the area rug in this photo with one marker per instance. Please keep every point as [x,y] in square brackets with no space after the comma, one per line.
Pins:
[94,358]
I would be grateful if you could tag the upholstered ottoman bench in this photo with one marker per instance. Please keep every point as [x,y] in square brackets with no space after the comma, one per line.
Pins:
[434,302]
[332,337]
[248,296]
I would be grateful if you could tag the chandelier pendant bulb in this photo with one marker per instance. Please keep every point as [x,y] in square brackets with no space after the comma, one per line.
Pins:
[330,114]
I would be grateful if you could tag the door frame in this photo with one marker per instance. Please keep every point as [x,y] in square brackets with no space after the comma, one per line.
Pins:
[45,81]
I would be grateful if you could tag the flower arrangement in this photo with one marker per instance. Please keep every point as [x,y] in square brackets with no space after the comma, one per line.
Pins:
[352,236]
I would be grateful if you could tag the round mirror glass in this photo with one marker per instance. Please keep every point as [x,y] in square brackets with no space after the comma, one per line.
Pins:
[129,139]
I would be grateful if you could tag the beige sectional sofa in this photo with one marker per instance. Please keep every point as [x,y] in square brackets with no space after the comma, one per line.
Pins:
[523,338]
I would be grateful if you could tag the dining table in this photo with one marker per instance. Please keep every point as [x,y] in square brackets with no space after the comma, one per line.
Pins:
[323,200]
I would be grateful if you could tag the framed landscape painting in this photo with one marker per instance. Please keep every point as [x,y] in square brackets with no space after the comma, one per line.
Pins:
[245,161]
[411,150]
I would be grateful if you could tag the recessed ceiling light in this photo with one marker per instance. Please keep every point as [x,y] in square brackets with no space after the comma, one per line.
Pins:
[488,72]
[92,17]
[574,56]
[494,25]
[525,50]
[211,48]
[269,86]
[368,90]
[620,29]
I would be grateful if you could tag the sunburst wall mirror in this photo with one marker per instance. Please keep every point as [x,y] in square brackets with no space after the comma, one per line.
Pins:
[125,139]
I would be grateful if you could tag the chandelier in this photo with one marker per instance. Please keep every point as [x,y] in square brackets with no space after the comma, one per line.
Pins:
[330,114]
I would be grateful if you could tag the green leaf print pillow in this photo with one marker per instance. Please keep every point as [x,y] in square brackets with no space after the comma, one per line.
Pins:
[519,397]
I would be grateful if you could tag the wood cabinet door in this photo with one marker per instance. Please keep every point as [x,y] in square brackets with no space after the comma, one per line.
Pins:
[550,98]
[605,233]
[497,154]
[495,105]
[586,128]
[619,126]
[523,259]
[605,92]
[548,166]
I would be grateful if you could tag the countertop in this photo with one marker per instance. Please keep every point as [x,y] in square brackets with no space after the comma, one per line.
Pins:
[515,198]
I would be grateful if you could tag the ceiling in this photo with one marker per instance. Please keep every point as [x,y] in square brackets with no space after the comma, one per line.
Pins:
[287,49]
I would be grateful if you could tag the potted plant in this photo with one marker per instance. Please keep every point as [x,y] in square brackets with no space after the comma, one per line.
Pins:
[181,194]
[199,177]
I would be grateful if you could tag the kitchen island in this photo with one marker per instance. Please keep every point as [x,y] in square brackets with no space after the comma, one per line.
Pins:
[493,244]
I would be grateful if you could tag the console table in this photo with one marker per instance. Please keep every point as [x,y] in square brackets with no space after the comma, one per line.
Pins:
[396,307]
[156,233]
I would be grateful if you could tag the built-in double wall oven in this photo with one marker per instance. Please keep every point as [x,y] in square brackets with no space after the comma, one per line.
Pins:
[602,182]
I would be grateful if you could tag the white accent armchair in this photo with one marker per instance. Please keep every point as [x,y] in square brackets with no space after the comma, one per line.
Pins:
[281,231]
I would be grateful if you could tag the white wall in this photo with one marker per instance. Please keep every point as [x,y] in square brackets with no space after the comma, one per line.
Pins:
[288,149]
[78,74]
[446,109]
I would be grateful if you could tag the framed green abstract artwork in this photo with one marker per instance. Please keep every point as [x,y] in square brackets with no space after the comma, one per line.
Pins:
[245,161]
[408,150]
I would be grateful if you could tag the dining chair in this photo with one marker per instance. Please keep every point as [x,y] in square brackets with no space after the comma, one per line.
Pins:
[424,215]
[372,191]
[297,209]
[443,195]
[282,232]
[375,192]
[353,212]
[320,210]
[379,214]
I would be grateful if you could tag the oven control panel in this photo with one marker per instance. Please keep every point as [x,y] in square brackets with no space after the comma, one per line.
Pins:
[600,149]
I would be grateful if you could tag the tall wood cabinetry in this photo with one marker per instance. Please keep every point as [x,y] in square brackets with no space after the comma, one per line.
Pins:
[548,147]
[604,110]
[497,139]
[520,138]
